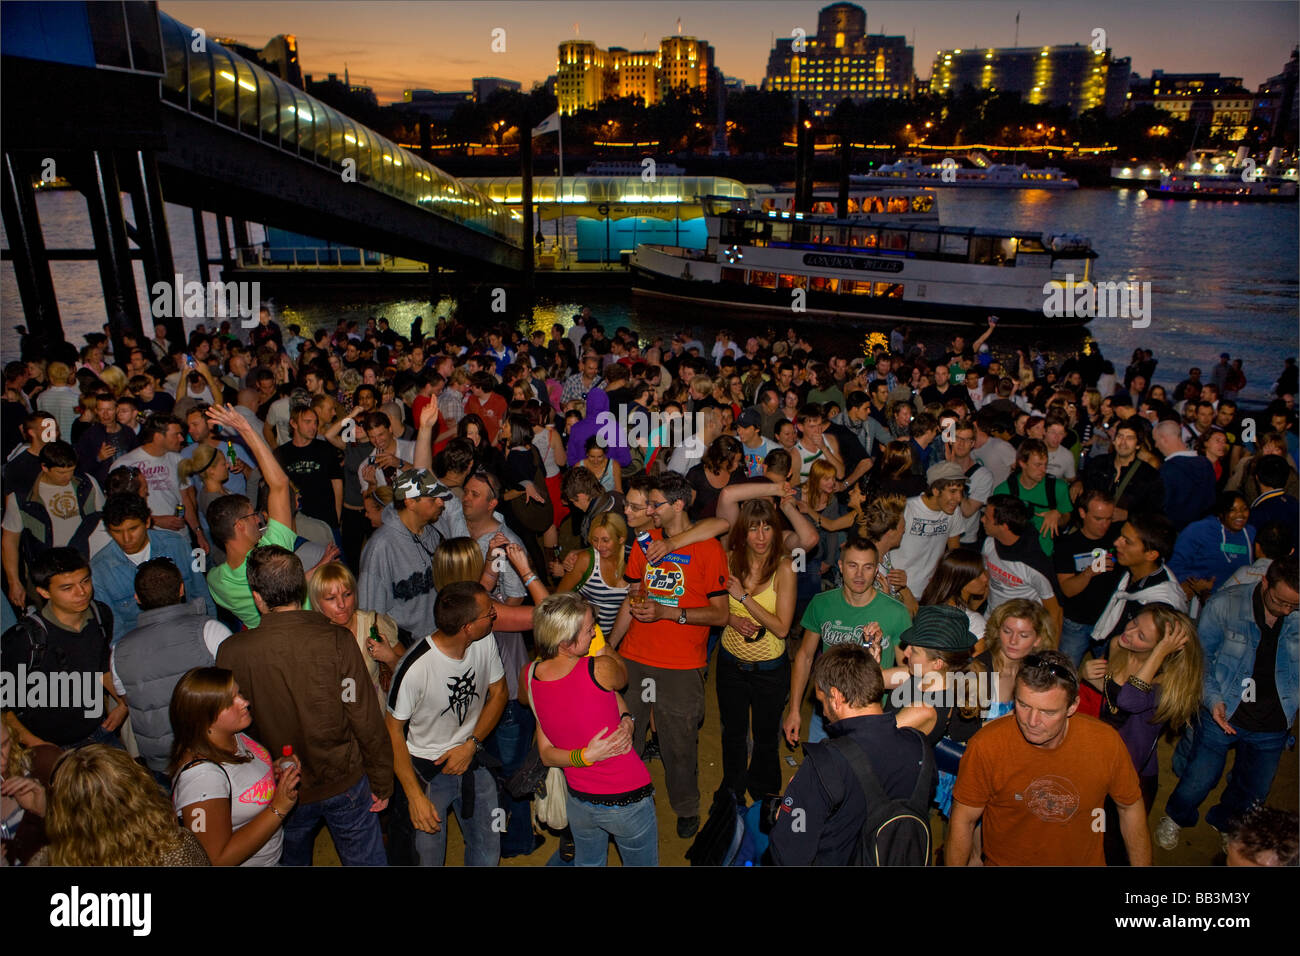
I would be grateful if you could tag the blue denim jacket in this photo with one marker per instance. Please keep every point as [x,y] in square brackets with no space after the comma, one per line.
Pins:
[1229,636]
[113,575]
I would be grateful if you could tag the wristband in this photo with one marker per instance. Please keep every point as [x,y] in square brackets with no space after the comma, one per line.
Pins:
[530,579]
[627,715]
[275,811]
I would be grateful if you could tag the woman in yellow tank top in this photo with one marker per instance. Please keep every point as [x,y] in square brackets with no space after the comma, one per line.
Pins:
[753,666]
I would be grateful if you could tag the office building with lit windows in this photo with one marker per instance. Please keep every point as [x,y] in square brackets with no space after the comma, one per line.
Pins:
[1074,76]
[842,61]
[1220,105]
[586,74]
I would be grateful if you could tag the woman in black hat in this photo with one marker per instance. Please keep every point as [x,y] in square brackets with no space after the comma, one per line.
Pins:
[940,689]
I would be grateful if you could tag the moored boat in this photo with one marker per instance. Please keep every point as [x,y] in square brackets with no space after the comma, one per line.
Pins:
[856,269]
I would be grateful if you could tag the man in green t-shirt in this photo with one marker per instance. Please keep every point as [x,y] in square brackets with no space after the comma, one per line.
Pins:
[238,527]
[1032,485]
[855,614]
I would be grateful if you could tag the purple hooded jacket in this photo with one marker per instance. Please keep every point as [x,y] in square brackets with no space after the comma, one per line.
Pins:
[597,406]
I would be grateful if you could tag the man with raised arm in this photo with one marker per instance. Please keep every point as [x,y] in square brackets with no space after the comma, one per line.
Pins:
[238,527]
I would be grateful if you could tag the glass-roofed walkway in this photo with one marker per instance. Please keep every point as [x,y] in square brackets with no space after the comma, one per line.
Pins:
[227,89]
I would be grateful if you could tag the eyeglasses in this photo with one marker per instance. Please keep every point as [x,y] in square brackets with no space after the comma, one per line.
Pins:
[1064,673]
[655,505]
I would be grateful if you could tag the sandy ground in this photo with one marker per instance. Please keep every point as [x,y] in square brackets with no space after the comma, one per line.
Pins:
[1198,846]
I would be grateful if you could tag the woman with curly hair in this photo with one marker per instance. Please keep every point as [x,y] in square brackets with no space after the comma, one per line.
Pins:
[104,809]
[1151,679]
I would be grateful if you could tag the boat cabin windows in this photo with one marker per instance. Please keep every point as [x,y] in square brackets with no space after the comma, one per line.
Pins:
[1031,244]
[926,243]
[764,280]
[733,275]
[893,239]
[992,251]
[955,245]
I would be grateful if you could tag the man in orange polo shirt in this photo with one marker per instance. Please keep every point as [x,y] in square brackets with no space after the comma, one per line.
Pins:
[1040,777]
[679,598]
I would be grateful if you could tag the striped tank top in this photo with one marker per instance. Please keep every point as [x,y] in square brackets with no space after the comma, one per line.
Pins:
[605,599]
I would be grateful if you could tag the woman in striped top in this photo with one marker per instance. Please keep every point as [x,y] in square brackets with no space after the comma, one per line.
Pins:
[598,573]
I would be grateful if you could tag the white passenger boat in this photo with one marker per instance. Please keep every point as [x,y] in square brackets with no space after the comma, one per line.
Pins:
[973,171]
[857,269]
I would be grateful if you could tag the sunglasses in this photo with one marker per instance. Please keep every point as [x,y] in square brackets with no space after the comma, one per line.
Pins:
[1065,674]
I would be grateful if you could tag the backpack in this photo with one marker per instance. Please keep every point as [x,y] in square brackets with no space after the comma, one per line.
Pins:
[32,627]
[895,832]
[1049,482]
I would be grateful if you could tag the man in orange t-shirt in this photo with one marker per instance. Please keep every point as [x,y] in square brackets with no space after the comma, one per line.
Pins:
[1040,776]
[666,647]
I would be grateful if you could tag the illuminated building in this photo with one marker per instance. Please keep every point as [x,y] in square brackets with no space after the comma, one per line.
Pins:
[842,61]
[1075,76]
[1219,104]
[586,74]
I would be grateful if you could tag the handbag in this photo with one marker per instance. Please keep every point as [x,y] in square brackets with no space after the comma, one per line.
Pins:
[546,784]
[536,516]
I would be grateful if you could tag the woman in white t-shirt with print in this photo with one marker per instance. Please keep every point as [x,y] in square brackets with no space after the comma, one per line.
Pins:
[223,783]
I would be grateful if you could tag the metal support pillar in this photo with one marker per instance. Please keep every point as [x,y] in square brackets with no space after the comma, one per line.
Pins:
[107,225]
[223,243]
[201,244]
[27,244]
[152,234]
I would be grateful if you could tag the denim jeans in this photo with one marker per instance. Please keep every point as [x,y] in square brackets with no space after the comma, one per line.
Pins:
[1075,638]
[816,728]
[634,828]
[1248,783]
[510,742]
[99,736]
[482,837]
[354,829]
[751,703]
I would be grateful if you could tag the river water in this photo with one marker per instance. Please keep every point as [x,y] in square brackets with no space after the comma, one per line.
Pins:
[1223,279]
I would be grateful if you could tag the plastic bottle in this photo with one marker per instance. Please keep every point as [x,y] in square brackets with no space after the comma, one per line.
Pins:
[230,453]
[286,759]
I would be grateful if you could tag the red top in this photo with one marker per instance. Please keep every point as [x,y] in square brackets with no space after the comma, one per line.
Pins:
[683,579]
[492,411]
[574,709]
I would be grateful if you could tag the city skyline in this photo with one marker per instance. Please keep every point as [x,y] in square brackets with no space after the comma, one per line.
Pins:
[387,47]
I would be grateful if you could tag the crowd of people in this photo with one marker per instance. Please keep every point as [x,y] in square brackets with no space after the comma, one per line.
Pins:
[378,580]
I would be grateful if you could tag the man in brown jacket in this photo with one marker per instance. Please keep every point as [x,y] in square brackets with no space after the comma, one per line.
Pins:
[309,689]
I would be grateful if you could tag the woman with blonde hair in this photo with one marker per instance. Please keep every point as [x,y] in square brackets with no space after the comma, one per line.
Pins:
[1016,629]
[598,573]
[583,727]
[882,522]
[104,809]
[333,591]
[1152,679]
[223,783]
[115,379]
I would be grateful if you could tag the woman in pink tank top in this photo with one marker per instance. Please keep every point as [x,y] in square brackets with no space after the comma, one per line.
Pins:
[583,727]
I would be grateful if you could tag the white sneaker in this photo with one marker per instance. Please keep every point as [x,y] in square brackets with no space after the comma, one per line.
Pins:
[1166,834]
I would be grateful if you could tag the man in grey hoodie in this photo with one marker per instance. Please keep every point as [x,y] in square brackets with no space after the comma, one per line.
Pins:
[397,563]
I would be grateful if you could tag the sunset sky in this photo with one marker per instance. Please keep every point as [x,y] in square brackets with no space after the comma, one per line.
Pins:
[392,46]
